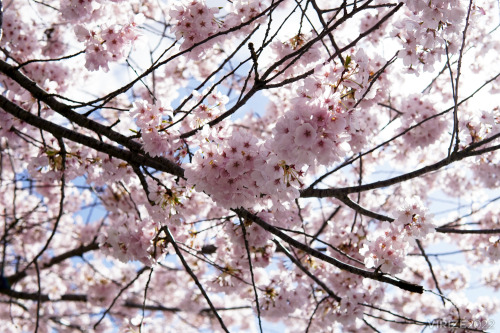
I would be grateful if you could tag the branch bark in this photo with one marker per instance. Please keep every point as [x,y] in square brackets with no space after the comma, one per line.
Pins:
[337,263]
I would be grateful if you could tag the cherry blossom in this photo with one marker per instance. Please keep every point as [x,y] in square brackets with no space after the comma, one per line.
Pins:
[235,166]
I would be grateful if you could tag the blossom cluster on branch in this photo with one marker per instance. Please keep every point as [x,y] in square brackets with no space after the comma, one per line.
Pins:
[213,165]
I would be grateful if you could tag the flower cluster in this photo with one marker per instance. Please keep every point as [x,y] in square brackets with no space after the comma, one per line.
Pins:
[468,316]
[322,119]
[51,76]
[386,251]
[132,238]
[477,126]
[487,170]
[450,277]
[238,170]
[284,49]
[429,28]
[411,221]
[107,45]
[206,109]
[493,250]
[153,120]
[18,36]
[55,46]
[346,312]
[415,110]
[243,11]
[77,10]
[319,125]
[194,22]
[317,133]
[490,277]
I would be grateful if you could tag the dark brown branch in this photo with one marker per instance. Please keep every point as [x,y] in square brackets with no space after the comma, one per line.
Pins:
[42,297]
[61,205]
[77,252]
[69,56]
[361,210]
[323,34]
[440,254]
[338,192]
[430,268]
[171,240]
[128,304]
[139,273]
[463,231]
[250,266]
[354,158]
[59,131]
[175,309]
[325,223]
[306,271]
[79,119]
[456,85]
[375,275]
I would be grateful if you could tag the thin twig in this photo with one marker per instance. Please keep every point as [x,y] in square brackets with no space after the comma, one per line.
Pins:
[39,300]
[139,273]
[243,228]
[171,240]
[430,268]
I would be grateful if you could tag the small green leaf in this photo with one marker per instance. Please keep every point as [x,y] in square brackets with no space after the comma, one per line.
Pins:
[347,61]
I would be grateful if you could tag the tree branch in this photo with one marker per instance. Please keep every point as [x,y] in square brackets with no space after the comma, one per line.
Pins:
[375,275]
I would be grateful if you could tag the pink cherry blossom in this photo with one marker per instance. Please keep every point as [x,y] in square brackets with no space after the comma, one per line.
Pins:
[213,166]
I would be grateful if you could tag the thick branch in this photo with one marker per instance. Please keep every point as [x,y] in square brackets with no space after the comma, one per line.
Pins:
[59,131]
[175,309]
[363,211]
[465,231]
[77,252]
[81,120]
[42,297]
[339,192]
[337,263]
